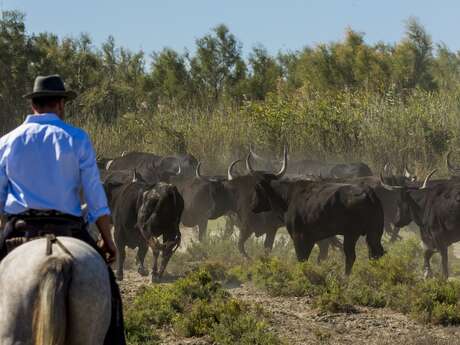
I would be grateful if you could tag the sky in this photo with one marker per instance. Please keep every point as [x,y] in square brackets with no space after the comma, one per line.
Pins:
[283,25]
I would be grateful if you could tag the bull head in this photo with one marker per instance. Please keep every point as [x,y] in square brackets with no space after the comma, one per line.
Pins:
[279,174]
[397,187]
[199,176]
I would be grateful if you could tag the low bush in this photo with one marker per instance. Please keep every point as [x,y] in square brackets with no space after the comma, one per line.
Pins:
[394,281]
[196,305]
[438,302]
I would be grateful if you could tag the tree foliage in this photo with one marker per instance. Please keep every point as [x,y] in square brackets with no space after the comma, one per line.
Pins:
[113,82]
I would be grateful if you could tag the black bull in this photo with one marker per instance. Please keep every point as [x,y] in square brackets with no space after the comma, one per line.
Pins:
[142,212]
[204,199]
[136,160]
[435,208]
[314,211]
[309,167]
[390,200]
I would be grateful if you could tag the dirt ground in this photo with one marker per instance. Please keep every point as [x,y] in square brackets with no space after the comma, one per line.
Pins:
[297,322]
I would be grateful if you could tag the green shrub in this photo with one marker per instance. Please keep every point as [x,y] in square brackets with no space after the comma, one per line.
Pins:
[438,302]
[196,305]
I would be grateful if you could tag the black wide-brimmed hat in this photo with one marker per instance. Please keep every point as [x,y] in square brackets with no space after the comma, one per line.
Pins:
[50,85]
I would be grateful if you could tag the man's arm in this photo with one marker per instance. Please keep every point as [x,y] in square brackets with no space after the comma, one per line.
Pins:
[104,226]
[98,210]
[3,192]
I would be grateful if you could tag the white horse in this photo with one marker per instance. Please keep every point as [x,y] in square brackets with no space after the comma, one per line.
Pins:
[54,299]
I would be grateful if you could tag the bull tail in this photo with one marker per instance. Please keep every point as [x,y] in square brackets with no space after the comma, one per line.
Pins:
[50,310]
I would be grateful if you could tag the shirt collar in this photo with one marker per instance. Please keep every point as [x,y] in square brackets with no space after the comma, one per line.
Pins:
[42,118]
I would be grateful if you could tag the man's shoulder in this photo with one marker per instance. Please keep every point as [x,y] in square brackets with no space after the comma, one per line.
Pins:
[25,129]
[15,133]
[76,132]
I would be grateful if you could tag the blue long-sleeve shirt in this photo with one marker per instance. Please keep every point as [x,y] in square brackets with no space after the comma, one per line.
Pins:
[43,165]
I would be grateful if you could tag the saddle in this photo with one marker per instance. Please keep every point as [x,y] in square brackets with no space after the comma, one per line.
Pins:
[33,225]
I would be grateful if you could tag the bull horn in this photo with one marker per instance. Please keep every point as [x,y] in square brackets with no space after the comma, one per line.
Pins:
[452,169]
[179,170]
[248,164]
[386,168]
[427,178]
[135,176]
[387,186]
[255,155]
[230,169]
[407,174]
[109,163]
[124,153]
[198,172]
[284,166]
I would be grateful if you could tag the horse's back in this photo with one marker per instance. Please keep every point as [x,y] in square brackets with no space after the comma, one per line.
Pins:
[88,296]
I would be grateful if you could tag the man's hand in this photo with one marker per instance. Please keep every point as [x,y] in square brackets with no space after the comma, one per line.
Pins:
[110,249]
[108,246]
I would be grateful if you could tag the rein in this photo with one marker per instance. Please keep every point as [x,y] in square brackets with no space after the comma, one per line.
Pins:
[52,239]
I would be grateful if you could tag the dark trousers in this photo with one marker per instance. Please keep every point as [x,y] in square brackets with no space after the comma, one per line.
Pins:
[115,334]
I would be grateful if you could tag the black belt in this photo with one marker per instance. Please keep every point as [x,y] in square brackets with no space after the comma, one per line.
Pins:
[45,214]
[32,223]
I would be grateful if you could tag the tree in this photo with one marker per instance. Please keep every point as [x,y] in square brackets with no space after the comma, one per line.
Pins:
[413,58]
[217,66]
[14,67]
[169,78]
[265,73]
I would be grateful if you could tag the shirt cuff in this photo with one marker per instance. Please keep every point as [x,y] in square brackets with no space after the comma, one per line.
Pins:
[93,216]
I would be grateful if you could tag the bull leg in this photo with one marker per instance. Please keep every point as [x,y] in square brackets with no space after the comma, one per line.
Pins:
[349,244]
[323,246]
[302,246]
[428,273]
[165,256]
[444,262]
[244,235]
[156,253]
[269,240]
[120,261]
[395,234]
[140,257]
[229,227]
[121,254]
[202,230]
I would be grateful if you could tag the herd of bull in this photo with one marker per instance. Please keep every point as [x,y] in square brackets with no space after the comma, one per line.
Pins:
[151,195]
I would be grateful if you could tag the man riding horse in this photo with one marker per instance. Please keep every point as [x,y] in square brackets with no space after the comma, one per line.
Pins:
[45,163]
